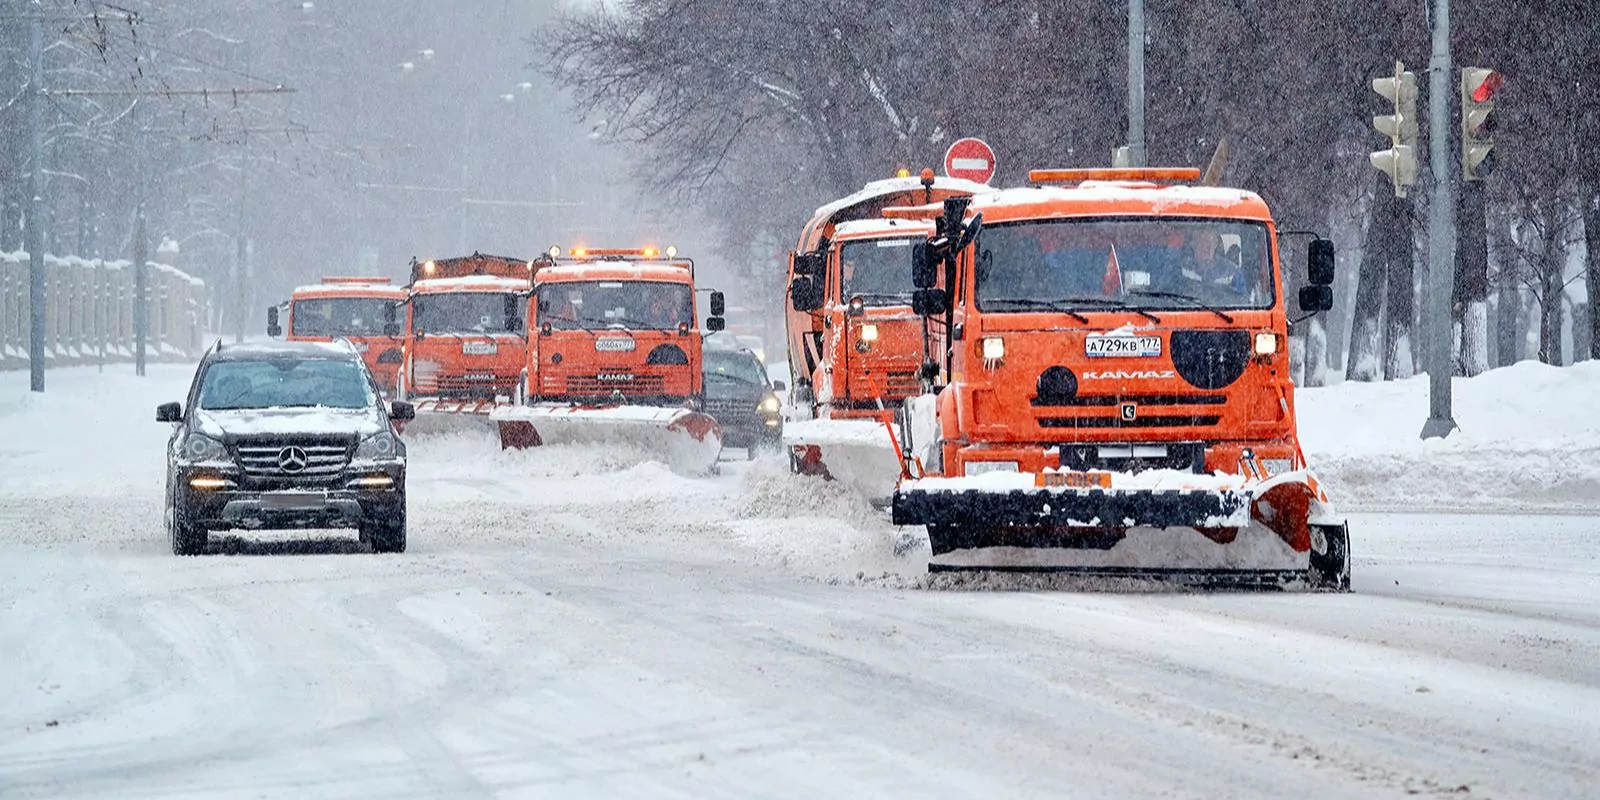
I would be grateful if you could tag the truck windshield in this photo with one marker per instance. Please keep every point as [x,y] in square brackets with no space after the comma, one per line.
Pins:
[462,312]
[878,271]
[338,316]
[1142,263]
[284,383]
[596,305]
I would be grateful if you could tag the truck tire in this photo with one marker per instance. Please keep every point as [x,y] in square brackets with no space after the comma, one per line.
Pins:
[1330,558]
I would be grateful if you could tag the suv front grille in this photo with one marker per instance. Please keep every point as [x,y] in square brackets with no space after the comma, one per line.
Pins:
[729,412]
[323,457]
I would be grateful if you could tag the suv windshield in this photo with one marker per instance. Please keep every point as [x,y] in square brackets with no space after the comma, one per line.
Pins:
[338,316]
[591,305]
[461,312]
[733,366]
[1143,263]
[284,383]
[879,271]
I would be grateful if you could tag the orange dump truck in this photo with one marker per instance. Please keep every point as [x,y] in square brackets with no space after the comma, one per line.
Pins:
[351,308]
[614,355]
[854,345]
[465,344]
[1111,388]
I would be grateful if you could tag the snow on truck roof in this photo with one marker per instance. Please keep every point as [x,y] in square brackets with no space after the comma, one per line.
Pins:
[615,270]
[1102,198]
[887,186]
[469,283]
[350,289]
[882,228]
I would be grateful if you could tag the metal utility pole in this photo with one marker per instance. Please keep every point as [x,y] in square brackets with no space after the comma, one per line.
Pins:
[1441,230]
[34,235]
[1136,152]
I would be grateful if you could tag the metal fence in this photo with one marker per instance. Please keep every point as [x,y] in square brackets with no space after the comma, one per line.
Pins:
[89,311]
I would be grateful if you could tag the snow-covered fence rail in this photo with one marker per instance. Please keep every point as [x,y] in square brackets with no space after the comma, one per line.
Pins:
[89,311]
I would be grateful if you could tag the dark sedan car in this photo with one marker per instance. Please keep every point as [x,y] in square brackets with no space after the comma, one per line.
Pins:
[742,400]
[289,435]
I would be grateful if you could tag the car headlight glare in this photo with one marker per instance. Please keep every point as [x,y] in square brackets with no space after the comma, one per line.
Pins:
[869,332]
[200,447]
[769,404]
[994,348]
[382,445]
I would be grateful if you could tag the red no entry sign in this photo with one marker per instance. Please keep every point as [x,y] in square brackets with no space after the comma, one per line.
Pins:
[970,159]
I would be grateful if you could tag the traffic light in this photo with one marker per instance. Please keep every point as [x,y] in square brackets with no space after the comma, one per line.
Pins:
[1478,85]
[1399,162]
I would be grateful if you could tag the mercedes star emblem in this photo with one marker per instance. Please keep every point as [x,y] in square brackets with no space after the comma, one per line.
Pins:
[292,459]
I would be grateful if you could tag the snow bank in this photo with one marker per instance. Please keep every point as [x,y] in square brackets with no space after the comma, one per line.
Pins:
[1529,438]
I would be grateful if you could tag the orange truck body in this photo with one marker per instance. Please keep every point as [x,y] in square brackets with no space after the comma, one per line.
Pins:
[1078,384]
[458,343]
[612,327]
[835,372]
[353,308]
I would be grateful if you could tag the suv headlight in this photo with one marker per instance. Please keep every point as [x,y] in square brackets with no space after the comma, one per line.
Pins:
[378,447]
[769,404]
[198,447]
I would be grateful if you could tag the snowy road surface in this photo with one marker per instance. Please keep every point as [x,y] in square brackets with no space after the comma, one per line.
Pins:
[573,624]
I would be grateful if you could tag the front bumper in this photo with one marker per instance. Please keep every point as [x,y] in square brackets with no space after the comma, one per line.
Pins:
[350,499]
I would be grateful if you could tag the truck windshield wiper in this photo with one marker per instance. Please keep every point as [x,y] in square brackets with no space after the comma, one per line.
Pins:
[1188,297]
[1064,305]
[1028,302]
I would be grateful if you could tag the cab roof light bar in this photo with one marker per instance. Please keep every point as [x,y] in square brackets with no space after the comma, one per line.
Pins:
[1140,174]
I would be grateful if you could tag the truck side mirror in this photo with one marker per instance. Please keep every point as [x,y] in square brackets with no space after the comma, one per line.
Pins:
[401,410]
[719,304]
[715,324]
[273,328]
[805,294]
[169,412]
[924,266]
[808,264]
[1314,299]
[1319,262]
[513,321]
[930,302]
[391,321]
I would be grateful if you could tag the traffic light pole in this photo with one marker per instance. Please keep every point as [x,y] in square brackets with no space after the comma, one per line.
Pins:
[1136,151]
[1441,230]
[34,235]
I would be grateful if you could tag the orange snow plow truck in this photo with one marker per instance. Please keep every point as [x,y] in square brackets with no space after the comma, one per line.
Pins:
[855,347]
[465,345]
[351,308]
[614,356]
[1110,386]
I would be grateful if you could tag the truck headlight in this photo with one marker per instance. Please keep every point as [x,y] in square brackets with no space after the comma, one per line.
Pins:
[1266,344]
[869,332]
[994,348]
[980,467]
[769,404]
[198,447]
[377,447]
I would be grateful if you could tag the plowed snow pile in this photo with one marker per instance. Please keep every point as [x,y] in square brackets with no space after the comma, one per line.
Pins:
[1529,437]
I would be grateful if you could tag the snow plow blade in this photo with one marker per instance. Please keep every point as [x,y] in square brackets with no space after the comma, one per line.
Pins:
[1093,508]
[687,441]
[856,453]
[437,417]
[1173,528]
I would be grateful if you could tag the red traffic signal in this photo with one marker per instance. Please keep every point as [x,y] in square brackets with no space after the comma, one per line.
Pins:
[1483,83]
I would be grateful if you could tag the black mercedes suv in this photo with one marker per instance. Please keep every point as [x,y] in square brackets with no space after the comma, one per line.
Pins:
[741,399]
[287,435]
